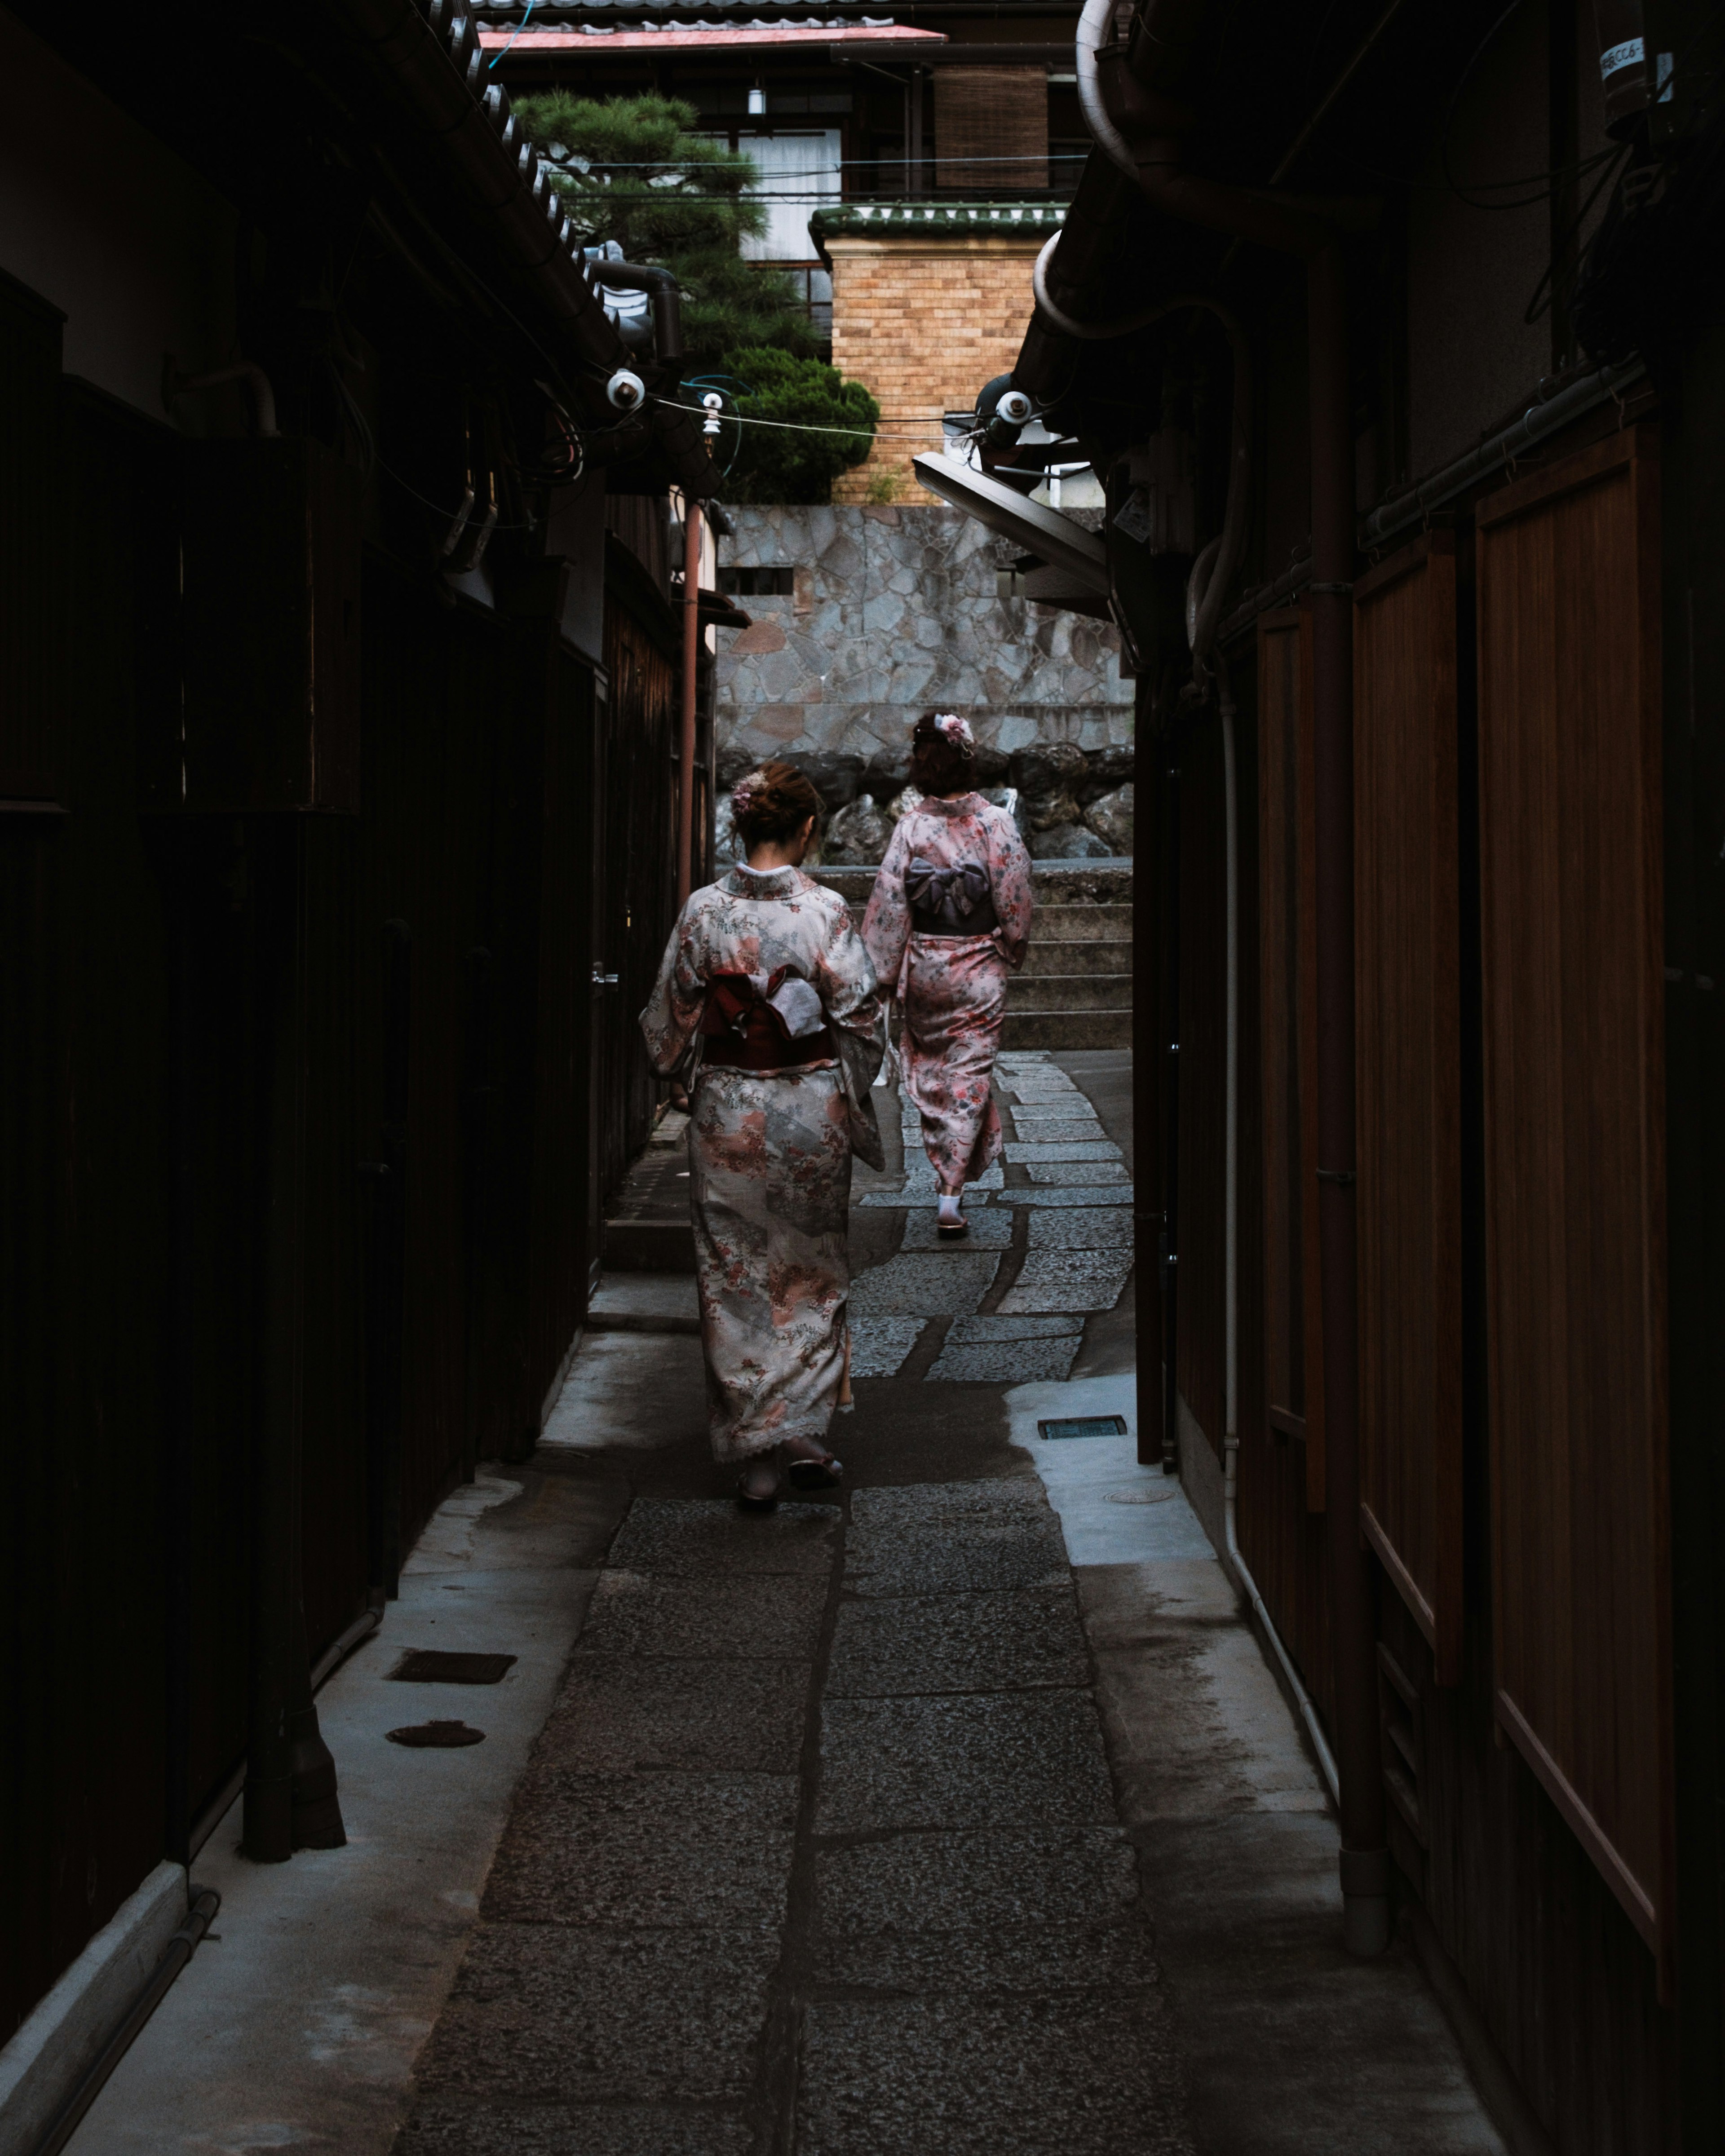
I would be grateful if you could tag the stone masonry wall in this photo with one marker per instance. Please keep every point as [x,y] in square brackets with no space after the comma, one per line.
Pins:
[923,323]
[895,612]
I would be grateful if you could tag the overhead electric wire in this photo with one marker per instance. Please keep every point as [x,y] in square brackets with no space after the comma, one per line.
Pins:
[566,163]
[795,426]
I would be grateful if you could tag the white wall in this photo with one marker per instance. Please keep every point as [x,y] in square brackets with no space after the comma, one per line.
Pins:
[110,225]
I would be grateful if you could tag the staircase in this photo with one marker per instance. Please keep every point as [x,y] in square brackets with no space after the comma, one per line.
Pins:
[1075,989]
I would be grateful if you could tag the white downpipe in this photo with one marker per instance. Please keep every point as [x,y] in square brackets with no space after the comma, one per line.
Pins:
[1096,29]
[1230,1263]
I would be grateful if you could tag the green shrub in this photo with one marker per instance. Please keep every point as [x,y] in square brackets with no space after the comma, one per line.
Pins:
[779,462]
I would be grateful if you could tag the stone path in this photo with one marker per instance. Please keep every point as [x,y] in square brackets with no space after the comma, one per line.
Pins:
[1050,1243]
[818,1853]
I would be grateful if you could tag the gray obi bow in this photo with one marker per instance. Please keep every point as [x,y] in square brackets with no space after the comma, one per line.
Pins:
[948,897]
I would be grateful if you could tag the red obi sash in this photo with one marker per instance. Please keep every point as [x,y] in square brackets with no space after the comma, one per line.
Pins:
[743,1031]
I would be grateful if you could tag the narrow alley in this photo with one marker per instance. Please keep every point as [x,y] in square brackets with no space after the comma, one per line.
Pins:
[964,1813]
[590,1567]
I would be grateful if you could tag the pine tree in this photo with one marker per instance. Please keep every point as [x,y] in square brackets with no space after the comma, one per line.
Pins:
[634,170]
[773,462]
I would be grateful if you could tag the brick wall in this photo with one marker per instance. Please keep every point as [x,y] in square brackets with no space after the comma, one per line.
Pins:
[924,323]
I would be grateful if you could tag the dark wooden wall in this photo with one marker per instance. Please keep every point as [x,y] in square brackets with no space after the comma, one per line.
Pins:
[202,1007]
[1559,1959]
[1570,727]
[639,884]
[1407,964]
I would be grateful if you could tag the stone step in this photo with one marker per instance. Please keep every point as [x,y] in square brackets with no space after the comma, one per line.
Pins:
[1062,1030]
[1070,923]
[1070,992]
[1074,956]
[649,1246]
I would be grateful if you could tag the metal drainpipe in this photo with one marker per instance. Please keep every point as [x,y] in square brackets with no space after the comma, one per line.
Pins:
[1157,166]
[691,652]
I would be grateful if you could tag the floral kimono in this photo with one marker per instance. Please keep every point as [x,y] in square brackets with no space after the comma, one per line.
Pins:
[948,920]
[765,966]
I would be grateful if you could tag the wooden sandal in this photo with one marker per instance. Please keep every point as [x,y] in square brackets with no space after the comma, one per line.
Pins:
[750,1502]
[814,1474]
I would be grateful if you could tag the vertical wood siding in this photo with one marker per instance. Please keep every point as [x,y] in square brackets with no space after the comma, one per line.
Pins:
[1408,1066]
[639,890]
[1281,1538]
[1287,914]
[1569,793]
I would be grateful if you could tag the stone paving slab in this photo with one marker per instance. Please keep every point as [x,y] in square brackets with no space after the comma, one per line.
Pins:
[756,1616]
[993,1759]
[1048,1127]
[621,1713]
[1030,1150]
[880,1345]
[957,1643]
[491,2129]
[950,1883]
[1068,1281]
[1081,2075]
[684,1535]
[934,1284]
[1034,1362]
[988,1230]
[646,1850]
[1077,1173]
[552,2010]
[1081,1229]
[1015,1500]
[1014,1959]
[1088,1194]
[969,1332]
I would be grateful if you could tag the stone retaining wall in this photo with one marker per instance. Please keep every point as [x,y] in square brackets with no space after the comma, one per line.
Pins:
[893,611]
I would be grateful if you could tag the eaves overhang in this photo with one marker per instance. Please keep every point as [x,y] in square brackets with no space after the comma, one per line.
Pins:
[1080,555]
[597,42]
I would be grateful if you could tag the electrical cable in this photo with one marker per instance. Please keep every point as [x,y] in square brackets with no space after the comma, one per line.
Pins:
[518,28]
[568,163]
[794,426]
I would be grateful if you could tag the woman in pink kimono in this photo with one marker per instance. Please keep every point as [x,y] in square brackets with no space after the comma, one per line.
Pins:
[766,992]
[949,920]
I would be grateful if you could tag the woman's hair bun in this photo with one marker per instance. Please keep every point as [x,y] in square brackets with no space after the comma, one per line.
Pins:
[942,754]
[771,803]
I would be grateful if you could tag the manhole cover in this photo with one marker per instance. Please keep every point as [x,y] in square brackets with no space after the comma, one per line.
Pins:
[426,1735]
[1139,1497]
[1086,1426]
[428,1666]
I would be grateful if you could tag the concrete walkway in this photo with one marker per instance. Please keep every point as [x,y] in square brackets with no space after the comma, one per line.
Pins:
[964,1813]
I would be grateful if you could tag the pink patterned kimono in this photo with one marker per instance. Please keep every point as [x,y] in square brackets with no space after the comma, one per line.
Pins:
[956,855]
[769,1150]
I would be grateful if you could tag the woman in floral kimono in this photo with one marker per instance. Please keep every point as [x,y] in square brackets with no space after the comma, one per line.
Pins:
[766,987]
[949,920]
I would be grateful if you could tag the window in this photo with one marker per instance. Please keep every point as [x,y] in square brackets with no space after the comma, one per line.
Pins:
[753,583]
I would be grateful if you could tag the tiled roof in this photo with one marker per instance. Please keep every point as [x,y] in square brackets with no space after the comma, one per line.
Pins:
[502,14]
[656,37]
[1029,220]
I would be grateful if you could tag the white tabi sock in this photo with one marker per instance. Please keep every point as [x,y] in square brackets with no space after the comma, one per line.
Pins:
[949,1207]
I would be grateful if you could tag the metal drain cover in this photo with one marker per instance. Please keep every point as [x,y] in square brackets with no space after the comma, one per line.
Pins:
[429,1735]
[429,1665]
[1086,1426]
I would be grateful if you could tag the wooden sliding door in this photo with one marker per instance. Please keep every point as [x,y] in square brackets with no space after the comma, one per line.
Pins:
[1409,1074]
[1570,832]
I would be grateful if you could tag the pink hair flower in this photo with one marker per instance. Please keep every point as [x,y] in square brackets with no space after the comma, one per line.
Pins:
[954,727]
